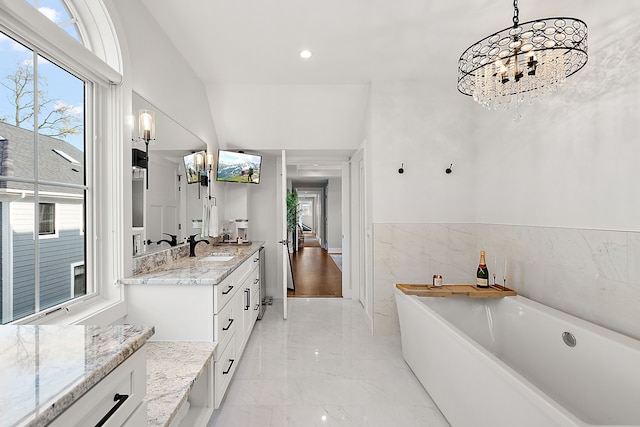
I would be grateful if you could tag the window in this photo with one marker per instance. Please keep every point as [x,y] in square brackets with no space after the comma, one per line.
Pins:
[68,128]
[58,12]
[43,184]
[78,280]
[47,219]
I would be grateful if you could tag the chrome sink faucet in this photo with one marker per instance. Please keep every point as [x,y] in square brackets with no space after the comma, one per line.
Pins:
[192,244]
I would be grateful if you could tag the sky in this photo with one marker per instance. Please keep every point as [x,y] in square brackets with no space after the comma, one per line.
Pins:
[60,87]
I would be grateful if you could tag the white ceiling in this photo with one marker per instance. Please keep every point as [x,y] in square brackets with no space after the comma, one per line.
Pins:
[353,42]
[247,50]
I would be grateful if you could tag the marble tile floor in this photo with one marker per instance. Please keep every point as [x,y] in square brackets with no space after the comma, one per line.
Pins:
[322,367]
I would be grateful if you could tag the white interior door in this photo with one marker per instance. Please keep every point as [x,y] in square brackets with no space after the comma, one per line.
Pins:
[361,240]
[284,236]
[346,233]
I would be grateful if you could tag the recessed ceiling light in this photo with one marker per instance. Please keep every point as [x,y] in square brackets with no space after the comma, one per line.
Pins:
[305,54]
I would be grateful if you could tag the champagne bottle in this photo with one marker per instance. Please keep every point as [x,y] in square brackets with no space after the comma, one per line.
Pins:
[482,276]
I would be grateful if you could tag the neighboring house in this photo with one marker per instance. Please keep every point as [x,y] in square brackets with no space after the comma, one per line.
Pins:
[58,233]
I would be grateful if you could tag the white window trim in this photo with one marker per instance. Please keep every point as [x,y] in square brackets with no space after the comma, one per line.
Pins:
[56,233]
[19,17]
[7,273]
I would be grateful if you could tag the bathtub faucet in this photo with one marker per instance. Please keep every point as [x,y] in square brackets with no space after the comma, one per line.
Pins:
[192,244]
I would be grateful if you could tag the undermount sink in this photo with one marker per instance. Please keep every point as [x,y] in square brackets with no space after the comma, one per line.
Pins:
[218,257]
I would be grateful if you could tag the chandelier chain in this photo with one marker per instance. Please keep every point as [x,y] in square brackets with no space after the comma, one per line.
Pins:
[516,12]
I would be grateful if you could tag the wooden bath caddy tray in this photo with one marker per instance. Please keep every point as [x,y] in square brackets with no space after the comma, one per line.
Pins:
[472,291]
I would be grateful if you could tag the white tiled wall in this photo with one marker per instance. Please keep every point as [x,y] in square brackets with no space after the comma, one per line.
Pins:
[592,274]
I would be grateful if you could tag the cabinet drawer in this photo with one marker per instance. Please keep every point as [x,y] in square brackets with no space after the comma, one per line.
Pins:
[129,379]
[224,292]
[255,302]
[225,366]
[248,267]
[225,324]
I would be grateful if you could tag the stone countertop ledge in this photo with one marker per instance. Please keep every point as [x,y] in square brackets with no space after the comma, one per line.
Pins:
[44,369]
[196,270]
[172,370]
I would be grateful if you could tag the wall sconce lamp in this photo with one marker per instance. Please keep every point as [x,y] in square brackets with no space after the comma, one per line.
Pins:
[201,165]
[147,132]
[210,161]
[204,179]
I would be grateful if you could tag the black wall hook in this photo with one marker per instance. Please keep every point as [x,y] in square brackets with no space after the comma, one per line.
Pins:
[401,170]
[449,170]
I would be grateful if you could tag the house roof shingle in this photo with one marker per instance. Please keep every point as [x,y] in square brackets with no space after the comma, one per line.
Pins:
[17,154]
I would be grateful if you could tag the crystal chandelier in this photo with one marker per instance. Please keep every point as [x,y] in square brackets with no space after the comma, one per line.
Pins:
[522,61]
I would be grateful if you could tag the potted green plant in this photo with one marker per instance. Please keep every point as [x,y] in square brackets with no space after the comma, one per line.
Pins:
[292,216]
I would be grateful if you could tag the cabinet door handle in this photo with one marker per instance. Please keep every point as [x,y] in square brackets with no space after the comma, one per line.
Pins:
[256,260]
[227,291]
[256,281]
[229,368]
[247,303]
[257,307]
[228,326]
[120,399]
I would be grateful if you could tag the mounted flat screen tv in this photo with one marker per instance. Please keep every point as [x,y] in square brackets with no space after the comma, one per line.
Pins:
[192,163]
[238,167]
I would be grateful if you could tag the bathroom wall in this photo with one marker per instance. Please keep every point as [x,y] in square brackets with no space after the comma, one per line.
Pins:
[413,253]
[554,192]
[423,220]
[592,274]
[264,214]
[557,190]
[334,215]
[155,69]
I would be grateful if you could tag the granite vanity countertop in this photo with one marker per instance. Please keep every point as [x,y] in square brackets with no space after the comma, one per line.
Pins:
[172,370]
[44,369]
[197,270]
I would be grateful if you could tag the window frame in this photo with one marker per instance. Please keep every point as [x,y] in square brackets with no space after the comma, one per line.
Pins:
[88,202]
[104,135]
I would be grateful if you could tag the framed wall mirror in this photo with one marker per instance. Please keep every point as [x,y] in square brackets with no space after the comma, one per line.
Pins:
[163,214]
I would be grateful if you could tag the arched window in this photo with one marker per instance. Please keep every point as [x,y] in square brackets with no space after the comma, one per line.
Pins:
[59,13]
[55,98]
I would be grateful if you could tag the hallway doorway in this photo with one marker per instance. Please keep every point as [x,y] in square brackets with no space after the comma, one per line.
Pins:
[315,273]
[325,178]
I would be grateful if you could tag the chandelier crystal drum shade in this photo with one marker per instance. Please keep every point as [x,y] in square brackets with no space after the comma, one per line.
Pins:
[522,61]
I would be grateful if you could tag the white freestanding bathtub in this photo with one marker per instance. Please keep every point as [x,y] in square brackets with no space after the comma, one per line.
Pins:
[504,363]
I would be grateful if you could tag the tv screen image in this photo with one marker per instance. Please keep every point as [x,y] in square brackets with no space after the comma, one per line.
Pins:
[238,167]
[190,166]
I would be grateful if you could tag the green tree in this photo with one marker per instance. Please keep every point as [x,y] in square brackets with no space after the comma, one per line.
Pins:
[56,119]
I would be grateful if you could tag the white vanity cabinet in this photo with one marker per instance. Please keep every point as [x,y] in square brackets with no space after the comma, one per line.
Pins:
[250,304]
[224,313]
[117,400]
[234,321]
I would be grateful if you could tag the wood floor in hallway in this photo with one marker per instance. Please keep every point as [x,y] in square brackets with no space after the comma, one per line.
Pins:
[315,273]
